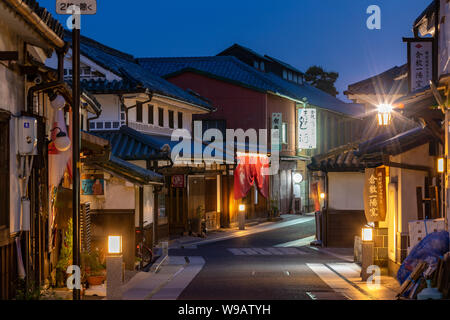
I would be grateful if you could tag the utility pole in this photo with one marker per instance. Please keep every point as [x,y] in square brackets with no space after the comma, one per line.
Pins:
[75,10]
[76,150]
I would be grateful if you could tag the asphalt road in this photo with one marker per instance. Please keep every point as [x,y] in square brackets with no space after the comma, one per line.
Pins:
[234,269]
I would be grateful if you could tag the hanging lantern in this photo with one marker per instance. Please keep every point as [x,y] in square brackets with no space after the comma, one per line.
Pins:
[384,114]
[62,141]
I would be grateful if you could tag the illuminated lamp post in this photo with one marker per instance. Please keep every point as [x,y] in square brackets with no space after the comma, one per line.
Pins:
[367,249]
[114,265]
[241,217]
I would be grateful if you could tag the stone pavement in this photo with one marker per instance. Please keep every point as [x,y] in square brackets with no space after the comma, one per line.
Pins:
[166,283]
[225,234]
[345,277]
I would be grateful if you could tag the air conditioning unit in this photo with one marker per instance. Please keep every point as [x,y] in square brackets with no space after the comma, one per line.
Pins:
[27,136]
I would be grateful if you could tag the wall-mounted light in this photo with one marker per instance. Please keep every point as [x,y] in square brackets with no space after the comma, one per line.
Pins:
[298,177]
[384,114]
[241,207]
[114,244]
[322,195]
[440,165]
[62,141]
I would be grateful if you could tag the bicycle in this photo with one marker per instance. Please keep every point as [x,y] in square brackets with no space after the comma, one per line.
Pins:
[143,252]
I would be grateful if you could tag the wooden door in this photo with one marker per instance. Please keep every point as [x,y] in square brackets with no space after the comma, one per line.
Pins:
[196,195]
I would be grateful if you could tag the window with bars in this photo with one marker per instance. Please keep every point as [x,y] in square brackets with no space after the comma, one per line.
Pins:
[171,120]
[180,120]
[138,111]
[161,117]
[122,115]
[150,119]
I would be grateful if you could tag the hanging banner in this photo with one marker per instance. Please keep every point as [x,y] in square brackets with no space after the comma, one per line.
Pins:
[420,61]
[277,123]
[307,128]
[375,194]
[177,181]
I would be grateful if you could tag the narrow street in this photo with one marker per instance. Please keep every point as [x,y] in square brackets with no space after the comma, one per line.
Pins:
[261,267]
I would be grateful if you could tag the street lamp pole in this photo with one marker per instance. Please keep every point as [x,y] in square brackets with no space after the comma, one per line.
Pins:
[76,151]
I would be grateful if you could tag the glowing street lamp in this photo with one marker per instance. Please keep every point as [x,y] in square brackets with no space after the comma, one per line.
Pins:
[241,217]
[384,114]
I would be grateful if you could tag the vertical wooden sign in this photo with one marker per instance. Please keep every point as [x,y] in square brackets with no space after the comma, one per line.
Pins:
[375,194]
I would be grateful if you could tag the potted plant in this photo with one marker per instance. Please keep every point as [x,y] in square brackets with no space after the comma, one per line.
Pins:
[93,269]
[274,212]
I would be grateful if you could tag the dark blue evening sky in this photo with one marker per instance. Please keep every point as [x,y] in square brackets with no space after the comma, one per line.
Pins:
[329,33]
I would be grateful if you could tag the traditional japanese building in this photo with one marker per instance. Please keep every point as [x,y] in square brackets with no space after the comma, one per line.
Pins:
[250,92]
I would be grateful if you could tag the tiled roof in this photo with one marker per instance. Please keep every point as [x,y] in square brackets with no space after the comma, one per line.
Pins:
[392,81]
[133,171]
[108,161]
[368,154]
[46,17]
[287,65]
[103,86]
[222,53]
[129,144]
[399,143]
[229,68]
[125,66]
[317,97]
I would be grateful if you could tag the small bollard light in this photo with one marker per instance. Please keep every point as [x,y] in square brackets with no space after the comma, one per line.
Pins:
[440,165]
[241,217]
[114,268]
[114,244]
[367,248]
[367,234]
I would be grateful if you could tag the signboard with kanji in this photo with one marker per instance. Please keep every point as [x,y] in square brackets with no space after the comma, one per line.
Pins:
[177,181]
[420,59]
[277,123]
[375,194]
[86,6]
[307,124]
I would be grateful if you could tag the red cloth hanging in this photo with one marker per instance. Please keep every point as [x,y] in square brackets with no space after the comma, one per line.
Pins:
[243,179]
[262,176]
[249,169]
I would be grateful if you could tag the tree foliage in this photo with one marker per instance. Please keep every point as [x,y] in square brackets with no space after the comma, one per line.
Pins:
[321,79]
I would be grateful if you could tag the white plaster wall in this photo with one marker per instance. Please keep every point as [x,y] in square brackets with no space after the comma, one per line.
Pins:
[148,205]
[408,180]
[12,99]
[110,107]
[345,190]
